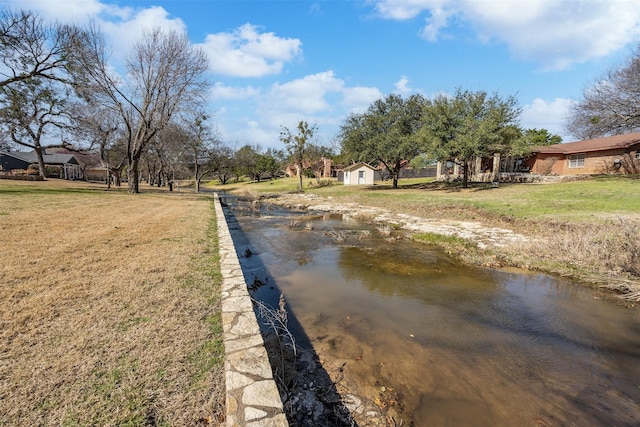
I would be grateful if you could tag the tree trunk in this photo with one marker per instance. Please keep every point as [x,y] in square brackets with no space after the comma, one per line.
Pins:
[117,175]
[41,168]
[465,175]
[395,173]
[299,172]
[197,179]
[134,185]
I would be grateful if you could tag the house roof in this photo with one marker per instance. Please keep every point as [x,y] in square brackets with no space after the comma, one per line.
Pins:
[20,155]
[357,166]
[49,159]
[595,144]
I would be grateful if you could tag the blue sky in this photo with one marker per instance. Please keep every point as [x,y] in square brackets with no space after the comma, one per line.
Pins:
[273,63]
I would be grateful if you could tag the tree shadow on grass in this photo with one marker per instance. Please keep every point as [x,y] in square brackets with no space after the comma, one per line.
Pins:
[447,186]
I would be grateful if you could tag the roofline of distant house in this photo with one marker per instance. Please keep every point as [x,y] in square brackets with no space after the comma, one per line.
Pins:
[356,166]
[589,145]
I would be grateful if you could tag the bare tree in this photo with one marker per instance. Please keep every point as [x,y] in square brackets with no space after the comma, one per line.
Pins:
[221,162]
[167,155]
[30,48]
[100,128]
[34,58]
[298,145]
[29,110]
[202,144]
[610,106]
[164,74]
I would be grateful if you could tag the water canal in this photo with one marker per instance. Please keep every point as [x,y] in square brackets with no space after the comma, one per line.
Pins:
[435,342]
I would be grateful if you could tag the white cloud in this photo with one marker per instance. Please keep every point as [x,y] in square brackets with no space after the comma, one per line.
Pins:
[73,10]
[550,115]
[220,91]
[121,26]
[358,99]
[406,9]
[402,86]
[434,24]
[554,33]
[251,132]
[307,95]
[321,99]
[249,53]
[123,33]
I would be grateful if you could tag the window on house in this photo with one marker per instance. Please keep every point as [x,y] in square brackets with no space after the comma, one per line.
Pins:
[576,160]
[638,155]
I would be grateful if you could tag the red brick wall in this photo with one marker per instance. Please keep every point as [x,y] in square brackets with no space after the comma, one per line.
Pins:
[595,162]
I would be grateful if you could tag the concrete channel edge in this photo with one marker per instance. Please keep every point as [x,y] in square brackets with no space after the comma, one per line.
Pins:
[252,397]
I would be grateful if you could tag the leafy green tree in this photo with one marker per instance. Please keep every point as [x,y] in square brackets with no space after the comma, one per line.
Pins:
[245,160]
[531,138]
[265,166]
[255,164]
[422,161]
[522,146]
[276,162]
[610,106]
[469,124]
[386,133]
[298,145]
[541,137]
[250,161]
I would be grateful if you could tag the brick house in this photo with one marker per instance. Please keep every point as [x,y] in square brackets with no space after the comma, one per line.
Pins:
[612,154]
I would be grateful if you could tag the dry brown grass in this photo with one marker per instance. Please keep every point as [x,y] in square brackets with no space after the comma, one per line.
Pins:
[109,307]
[606,253]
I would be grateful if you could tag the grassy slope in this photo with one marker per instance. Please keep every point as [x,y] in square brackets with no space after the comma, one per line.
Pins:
[577,201]
[109,311]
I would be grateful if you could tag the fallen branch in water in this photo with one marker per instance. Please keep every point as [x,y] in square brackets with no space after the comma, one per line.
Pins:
[276,320]
[626,291]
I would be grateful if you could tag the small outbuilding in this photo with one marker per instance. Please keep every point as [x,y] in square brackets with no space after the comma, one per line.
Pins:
[359,174]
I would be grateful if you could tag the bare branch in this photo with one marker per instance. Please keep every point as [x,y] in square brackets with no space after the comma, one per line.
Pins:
[611,105]
[29,48]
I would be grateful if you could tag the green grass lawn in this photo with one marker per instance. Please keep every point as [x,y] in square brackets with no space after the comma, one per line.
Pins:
[576,201]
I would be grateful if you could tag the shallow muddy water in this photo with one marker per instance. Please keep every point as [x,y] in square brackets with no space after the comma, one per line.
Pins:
[435,342]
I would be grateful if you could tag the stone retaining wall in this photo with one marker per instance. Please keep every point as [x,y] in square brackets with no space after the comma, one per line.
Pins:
[252,397]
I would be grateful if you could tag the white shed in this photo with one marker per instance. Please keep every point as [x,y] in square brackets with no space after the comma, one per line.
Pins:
[358,174]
